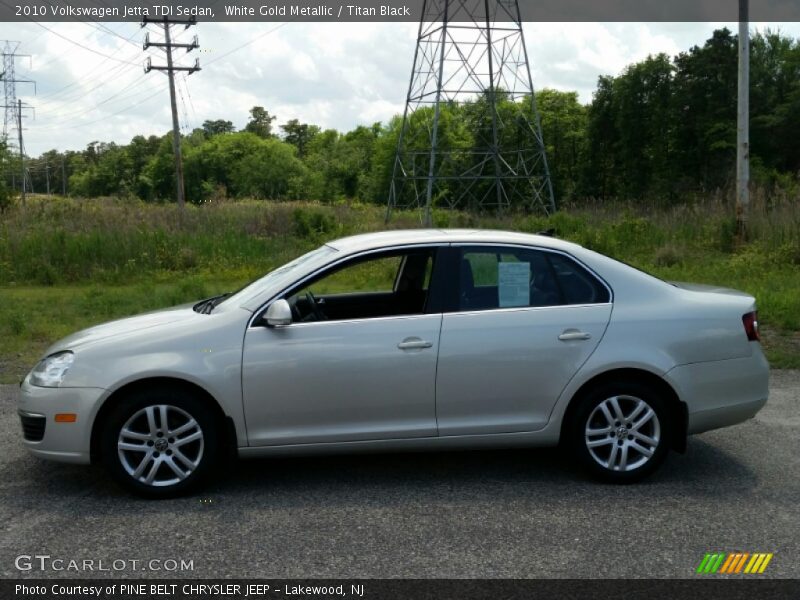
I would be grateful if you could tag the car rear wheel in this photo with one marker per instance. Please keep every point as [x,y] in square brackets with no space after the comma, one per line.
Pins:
[621,431]
[160,443]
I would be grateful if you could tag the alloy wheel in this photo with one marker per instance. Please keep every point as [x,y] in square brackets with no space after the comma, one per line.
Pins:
[622,433]
[160,445]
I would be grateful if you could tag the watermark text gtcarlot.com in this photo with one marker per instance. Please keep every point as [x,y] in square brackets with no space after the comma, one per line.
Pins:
[45,562]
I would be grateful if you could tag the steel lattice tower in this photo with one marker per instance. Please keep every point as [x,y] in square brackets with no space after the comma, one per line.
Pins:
[470,136]
[12,121]
[10,81]
[9,88]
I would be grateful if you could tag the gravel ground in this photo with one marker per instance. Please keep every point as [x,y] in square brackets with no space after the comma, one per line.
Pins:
[521,513]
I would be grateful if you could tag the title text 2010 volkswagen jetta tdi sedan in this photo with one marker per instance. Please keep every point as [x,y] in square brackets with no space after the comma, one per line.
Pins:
[405,340]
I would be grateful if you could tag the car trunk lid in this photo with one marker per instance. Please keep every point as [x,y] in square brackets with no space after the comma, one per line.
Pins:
[714,289]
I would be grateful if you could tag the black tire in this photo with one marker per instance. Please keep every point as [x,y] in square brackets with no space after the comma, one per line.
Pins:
[205,451]
[589,407]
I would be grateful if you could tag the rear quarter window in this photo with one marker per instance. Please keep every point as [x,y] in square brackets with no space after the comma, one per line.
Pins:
[577,285]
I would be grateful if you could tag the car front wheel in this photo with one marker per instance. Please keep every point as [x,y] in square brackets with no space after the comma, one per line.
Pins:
[160,443]
[620,432]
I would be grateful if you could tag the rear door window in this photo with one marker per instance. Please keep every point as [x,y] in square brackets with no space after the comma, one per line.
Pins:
[508,277]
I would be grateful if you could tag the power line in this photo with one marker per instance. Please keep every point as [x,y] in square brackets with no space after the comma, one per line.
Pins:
[92,50]
[73,42]
[255,39]
[75,94]
[104,76]
[134,105]
[97,24]
[189,95]
[62,94]
[185,126]
[68,115]
[100,27]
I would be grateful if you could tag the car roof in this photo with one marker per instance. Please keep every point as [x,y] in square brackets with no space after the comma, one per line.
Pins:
[399,237]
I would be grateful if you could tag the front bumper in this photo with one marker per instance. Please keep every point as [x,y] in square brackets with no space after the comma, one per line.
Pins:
[63,442]
[724,392]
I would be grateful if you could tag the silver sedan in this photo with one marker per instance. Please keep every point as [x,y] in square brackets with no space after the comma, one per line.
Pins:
[405,340]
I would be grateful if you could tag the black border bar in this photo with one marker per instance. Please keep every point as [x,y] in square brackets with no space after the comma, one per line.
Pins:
[705,587]
[395,10]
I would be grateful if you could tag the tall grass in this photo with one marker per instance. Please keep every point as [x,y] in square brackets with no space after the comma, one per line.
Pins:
[56,241]
[67,263]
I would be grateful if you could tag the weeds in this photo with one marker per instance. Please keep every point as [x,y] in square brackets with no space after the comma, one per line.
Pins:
[69,263]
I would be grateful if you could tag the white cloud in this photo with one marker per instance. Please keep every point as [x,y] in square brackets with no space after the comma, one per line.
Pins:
[334,75]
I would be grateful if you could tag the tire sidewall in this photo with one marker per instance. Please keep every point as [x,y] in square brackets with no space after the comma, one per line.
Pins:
[590,401]
[129,405]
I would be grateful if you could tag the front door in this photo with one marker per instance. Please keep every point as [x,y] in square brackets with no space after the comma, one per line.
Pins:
[358,362]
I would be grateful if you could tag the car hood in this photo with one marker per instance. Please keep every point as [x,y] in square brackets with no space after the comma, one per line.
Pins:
[714,289]
[123,327]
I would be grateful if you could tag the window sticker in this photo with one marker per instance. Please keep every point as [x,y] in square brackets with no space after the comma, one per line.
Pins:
[514,284]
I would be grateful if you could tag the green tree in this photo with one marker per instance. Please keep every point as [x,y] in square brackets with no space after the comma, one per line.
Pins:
[602,142]
[244,164]
[217,126]
[6,195]
[644,122]
[299,134]
[704,96]
[659,129]
[260,122]
[774,105]
[108,171]
[564,122]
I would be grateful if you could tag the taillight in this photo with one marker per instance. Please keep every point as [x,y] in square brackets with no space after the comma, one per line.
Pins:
[750,321]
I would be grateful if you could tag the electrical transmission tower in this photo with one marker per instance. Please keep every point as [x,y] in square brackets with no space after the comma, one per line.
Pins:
[170,68]
[12,122]
[470,136]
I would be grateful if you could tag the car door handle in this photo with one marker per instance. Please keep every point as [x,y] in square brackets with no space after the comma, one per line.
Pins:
[574,334]
[414,344]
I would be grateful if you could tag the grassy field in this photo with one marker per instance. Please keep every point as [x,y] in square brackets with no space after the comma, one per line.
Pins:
[69,263]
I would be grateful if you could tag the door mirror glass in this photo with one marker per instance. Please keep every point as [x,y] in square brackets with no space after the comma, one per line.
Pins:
[279,314]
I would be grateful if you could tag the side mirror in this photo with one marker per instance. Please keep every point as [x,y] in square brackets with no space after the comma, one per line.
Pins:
[279,314]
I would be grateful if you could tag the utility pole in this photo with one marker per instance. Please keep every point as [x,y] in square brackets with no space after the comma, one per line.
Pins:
[21,147]
[47,175]
[743,125]
[18,107]
[167,45]
[63,178]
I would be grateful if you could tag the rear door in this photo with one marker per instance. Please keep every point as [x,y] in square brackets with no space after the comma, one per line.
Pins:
[522,321]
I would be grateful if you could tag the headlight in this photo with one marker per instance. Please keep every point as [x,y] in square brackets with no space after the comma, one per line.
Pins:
[51,370]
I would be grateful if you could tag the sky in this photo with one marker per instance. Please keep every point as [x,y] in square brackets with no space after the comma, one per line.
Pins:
[336,75]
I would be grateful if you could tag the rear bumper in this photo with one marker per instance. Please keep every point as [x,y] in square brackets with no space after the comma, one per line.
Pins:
[706,420]
[722,393]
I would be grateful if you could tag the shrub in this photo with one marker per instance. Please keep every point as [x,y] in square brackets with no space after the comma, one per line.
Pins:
[309,223]
[668,256]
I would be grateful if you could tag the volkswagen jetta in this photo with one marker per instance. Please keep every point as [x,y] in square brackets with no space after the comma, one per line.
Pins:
[422,339]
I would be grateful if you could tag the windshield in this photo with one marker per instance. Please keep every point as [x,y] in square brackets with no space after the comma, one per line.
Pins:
[280,276]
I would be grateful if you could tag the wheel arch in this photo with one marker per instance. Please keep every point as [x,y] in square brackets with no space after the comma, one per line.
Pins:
[679,410]
[227,432]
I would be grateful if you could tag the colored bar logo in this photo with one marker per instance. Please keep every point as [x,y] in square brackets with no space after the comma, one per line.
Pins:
[734,563]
